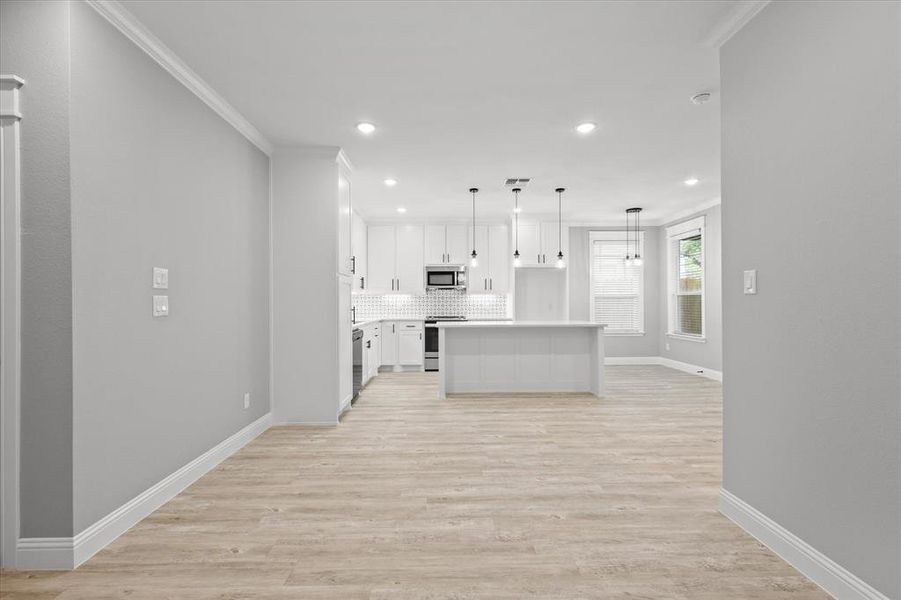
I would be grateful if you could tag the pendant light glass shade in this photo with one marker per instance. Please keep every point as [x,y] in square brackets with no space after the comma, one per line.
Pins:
[633,257]
[517,262]
[561,264]
[474,262]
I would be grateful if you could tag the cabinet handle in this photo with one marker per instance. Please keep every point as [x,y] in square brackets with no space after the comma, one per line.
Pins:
[491,283]
[420,337]
[353,264]
[398,284]
[362,282]
[485,284]
[392,328]
[539,258]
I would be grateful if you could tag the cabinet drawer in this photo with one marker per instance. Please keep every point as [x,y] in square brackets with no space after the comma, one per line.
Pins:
[409,325]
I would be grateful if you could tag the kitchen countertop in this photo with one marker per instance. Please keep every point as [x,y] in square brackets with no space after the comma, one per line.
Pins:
[367,322]
[514,324]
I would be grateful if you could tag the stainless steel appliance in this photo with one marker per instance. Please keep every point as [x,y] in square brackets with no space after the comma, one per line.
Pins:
[431,339]
[445,277]
[357,338]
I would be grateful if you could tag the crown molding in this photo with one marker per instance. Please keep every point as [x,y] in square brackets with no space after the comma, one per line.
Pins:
[134,30]
[688,212]
[731,23]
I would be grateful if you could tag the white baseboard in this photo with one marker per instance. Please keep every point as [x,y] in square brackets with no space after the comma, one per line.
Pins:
[837,581]
[666,362]
[68,553]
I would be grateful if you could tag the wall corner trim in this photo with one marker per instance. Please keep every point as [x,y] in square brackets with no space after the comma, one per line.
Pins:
[738,15]
[613,361]
[68,553]
[816,566]
[134,30]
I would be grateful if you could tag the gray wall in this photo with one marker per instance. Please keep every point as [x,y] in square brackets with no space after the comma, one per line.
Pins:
[305,292]
[811,180]
[158,179]
[707,353]
[34,44]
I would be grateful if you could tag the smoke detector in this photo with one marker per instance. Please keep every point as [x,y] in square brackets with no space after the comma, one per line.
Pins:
[517,182]
[702,98]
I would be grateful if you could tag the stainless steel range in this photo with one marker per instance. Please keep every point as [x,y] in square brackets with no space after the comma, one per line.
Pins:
[431,338]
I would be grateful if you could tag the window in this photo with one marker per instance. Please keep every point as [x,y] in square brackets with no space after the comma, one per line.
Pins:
[685,275]
[617,289]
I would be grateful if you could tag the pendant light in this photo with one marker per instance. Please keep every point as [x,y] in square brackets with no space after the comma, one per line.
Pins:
[517,262]
[475,261]
[560,262]
[635,258]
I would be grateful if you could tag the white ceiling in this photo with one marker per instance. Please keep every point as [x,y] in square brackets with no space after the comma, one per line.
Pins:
[468,94]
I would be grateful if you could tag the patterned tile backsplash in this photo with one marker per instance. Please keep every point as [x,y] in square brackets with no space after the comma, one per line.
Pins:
[443,302]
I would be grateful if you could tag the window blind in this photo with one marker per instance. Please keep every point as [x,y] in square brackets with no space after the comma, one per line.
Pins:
[616,288]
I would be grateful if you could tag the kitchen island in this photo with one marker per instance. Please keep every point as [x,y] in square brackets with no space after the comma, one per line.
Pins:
[521,357]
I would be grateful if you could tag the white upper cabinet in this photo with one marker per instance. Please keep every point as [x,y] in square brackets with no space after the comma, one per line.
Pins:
[345,226]
[395,259]
[500,259]
[410,270]
[529,244]
[359,250]
[457,240]
[492,243]
[381,258]
[435,245]
[446,244]
[538,243]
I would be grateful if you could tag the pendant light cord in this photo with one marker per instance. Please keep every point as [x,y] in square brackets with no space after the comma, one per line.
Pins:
[516,221]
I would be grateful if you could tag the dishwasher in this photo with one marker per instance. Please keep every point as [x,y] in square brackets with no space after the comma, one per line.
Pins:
[357,362]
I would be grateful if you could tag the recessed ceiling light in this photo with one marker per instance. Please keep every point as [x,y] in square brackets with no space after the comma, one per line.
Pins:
[691,181]
[401,209]
[391,182]
[585,127]
[366,128]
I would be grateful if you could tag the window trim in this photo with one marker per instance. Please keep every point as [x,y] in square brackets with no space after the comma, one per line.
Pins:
[674,234]
[616,236]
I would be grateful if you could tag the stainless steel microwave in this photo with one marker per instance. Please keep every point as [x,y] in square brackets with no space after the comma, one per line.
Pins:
[445,277]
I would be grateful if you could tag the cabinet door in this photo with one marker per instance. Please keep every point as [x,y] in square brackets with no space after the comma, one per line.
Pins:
[389,343]
[410,265]
[345,227]
[359,249]
[435,252]
[457,240]
[477,277]
[500,259]
[529,244]
[549,243]
[409,348]
[345,344]
[375,354]
[380,258]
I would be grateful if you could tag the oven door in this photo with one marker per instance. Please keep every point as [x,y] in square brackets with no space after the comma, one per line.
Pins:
[431,347]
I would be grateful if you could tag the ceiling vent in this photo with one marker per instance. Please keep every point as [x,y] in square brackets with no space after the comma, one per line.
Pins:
[517,182]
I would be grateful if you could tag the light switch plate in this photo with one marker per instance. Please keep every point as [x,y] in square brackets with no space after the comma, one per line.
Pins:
[161,306]
[160,278]
[750,281]
[247,400]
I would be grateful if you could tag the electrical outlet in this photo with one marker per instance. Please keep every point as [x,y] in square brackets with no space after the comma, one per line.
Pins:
[161,306]
[247,400]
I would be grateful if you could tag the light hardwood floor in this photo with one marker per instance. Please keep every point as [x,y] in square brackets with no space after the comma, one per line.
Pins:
[556,497]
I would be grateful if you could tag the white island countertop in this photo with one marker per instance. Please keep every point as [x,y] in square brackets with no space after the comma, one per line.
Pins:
[485,357]
[482,324]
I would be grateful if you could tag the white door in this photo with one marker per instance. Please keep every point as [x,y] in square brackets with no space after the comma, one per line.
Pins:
[529,244]
[380,258]
[359,250]
[477,281]
[410,270]
[457,240]
[435,252]
[409,347]
[389,343]
[345,226]
[500,259]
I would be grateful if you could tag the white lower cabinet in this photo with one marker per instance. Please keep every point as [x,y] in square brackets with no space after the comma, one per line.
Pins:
[372,354]
[401,344]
